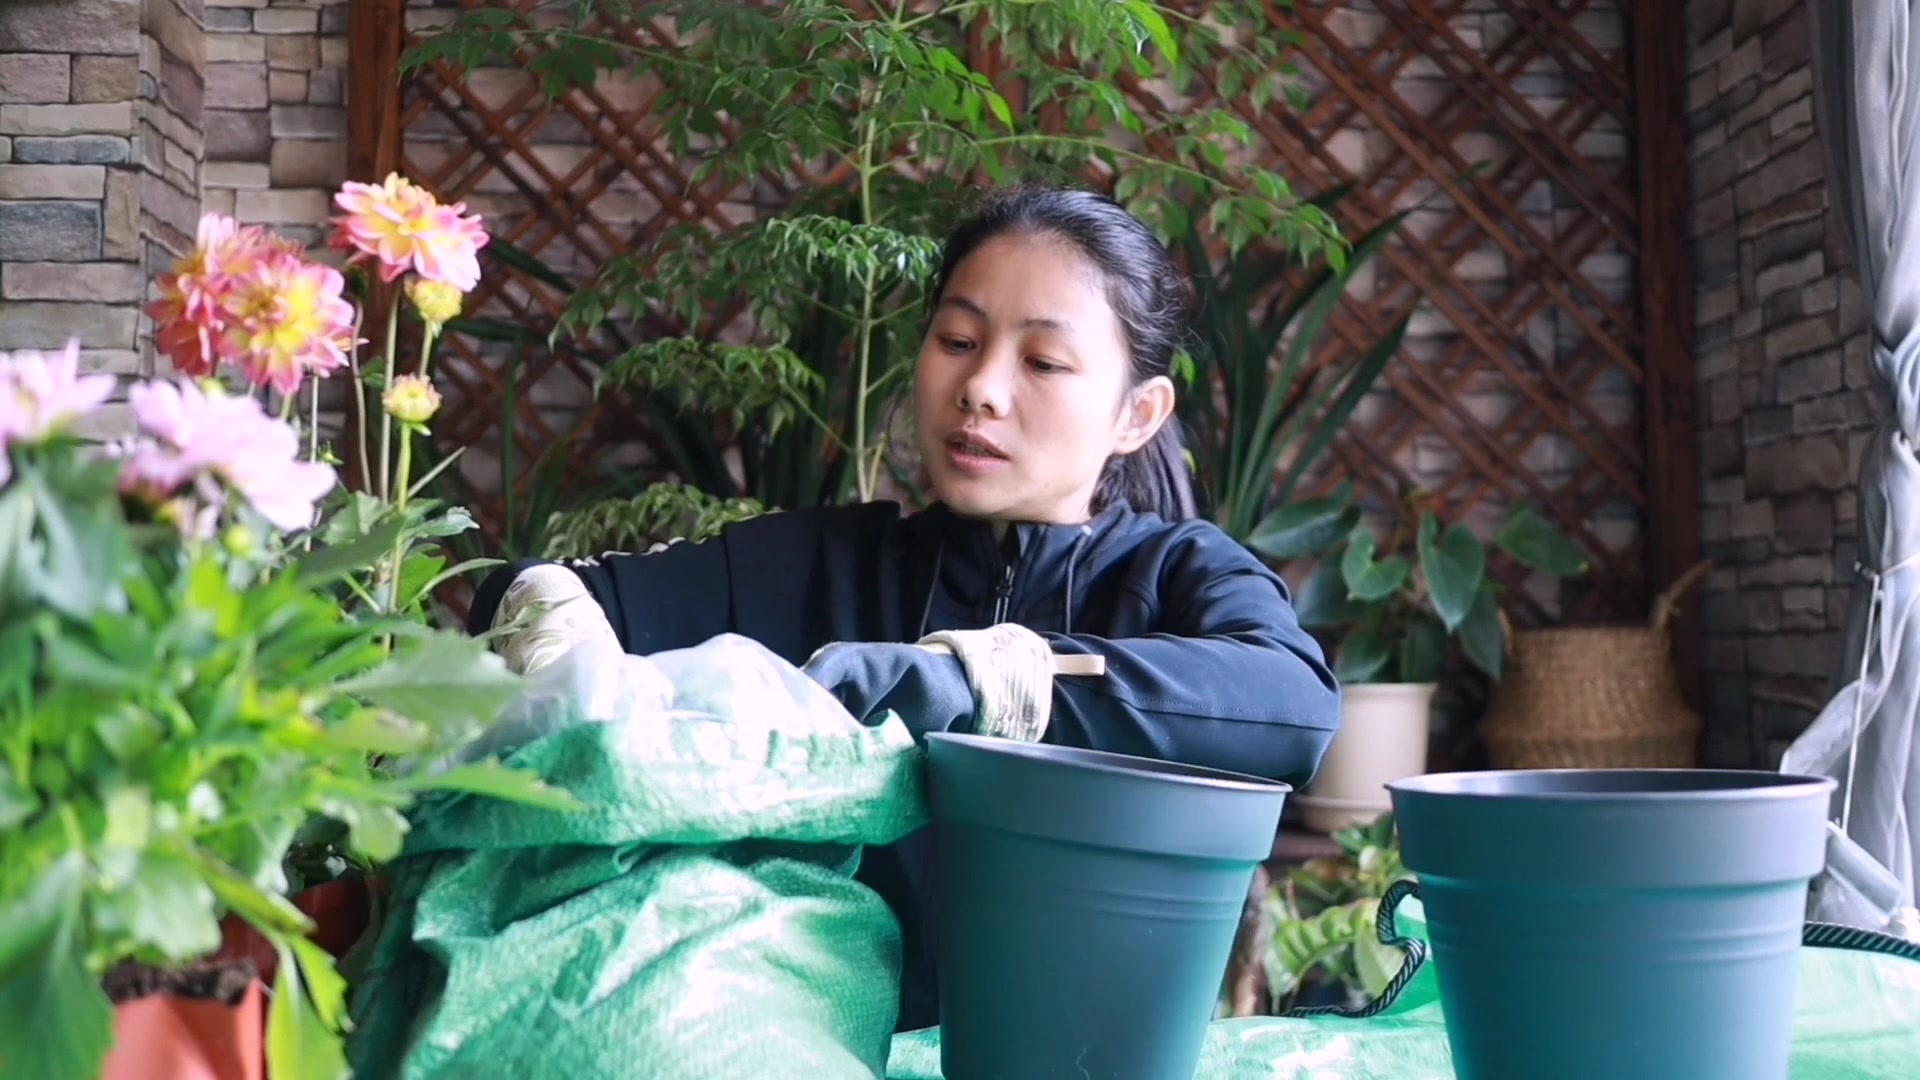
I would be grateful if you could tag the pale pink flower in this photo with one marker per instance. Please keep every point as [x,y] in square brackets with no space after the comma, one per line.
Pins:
[211,441]
[41,393]
[403,227]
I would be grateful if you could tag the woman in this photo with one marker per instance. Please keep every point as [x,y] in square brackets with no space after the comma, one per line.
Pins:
[1044,415]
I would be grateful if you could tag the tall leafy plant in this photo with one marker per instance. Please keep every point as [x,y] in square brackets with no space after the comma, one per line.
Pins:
[1261,409]
[1403,601]
[880,99]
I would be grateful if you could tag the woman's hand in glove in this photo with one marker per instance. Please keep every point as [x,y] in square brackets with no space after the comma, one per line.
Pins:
[927,689]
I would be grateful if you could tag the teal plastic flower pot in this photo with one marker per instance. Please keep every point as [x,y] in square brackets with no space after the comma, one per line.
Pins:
[1087,904]
[1599,924]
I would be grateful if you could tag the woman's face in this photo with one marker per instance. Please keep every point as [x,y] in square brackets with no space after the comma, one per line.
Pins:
[1020,391]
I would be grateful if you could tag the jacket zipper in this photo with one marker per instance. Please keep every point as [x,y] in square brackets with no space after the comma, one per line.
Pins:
[1003,596]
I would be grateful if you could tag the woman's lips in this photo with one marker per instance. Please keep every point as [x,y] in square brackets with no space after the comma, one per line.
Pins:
[973,453]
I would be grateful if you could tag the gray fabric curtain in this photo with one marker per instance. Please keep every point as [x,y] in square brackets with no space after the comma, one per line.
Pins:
[1866,69]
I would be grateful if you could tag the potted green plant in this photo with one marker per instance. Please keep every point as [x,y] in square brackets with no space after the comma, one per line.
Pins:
[216,666]
[1401,605]
[1324,948]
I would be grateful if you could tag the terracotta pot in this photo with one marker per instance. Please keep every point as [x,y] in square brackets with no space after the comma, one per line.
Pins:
[341,911]
[161,1035]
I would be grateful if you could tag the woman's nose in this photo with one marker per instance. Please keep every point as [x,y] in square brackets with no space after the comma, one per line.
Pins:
[986,389]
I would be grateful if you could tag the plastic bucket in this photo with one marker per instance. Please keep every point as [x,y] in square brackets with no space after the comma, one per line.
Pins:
[1087,905]
[1598,924]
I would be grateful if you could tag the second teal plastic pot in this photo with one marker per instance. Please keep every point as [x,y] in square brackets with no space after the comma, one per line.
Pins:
[1087,906]
[1601,924]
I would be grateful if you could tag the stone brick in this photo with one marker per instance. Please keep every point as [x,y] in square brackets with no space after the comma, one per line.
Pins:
[52,181]
[309,163]
[72,150]
[73,26]
[1798,338]
[1789,570]
[237,174]
[182,86]
[49,232]
[117,282]
[1723,400]
[111,361]
[293,53]
[107,117]
[237,86]
[1740,65]
[1805,525]
[327,86]
[334,19]
[334,54]
[234,135]
[1788,45]
[1797,169]
[1847,410]
[1795,118]
[287,87]
[105,78]
[281,207]
[286,20]
[45,325]
[35,77]
[1751,519]
[1809,376]
[121,213]
[1792,254]
[235,49]
[229,20]
[309,122]
[1789,468]
[176,32]
[1761,424]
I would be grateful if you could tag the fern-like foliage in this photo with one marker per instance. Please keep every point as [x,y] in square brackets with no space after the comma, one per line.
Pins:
[661,514]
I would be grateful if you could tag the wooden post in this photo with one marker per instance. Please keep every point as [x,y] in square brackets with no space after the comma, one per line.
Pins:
[375,29]
[1659,63]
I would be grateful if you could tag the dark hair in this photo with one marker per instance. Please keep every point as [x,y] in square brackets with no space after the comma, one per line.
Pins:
[1147,294]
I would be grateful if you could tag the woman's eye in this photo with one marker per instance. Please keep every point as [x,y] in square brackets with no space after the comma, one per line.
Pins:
[956,344]
[1045,367]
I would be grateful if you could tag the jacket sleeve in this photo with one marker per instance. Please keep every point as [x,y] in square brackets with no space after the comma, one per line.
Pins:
[1227,680]
[671,598]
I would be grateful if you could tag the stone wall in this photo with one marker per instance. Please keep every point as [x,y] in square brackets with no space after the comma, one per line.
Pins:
[276,111]
[1785,405]
[80,93]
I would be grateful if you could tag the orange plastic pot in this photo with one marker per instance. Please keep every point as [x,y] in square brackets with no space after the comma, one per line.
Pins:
[183,1039]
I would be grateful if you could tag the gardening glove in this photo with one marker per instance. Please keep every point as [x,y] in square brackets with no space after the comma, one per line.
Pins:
[1001,684]
[559,614]
[1011,671]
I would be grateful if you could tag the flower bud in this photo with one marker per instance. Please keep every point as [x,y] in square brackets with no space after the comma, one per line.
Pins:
[239,541]
[436,301]
[411,399]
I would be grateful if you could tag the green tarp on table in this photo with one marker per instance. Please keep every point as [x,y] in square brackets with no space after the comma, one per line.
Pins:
[698,919]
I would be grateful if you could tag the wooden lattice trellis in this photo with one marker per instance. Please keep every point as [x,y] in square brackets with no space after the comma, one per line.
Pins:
[1543,142]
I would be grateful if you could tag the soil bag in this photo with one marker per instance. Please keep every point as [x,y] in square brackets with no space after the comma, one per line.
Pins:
[696,919]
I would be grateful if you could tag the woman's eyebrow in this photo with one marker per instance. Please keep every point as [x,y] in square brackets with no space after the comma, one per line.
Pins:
[1036,323]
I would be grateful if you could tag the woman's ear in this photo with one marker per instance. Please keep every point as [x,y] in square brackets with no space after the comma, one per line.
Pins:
[1148,407]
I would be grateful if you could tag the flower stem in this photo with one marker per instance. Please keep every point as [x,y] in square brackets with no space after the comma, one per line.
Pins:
[386,422]
[403,468]
[359,401]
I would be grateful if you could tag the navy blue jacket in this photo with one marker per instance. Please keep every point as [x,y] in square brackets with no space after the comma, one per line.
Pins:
[1205,662]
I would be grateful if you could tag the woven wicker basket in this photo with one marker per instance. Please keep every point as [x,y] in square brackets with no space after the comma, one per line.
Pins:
[1594,697]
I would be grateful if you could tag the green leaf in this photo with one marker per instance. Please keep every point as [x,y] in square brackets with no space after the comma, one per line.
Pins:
[169,907]
[17,803]
[1363,655]
[54,1021]
[325,988]
[494,780]
[1534,542]
[1423,651]
[300,1046]
[1322,603]
[1374,961]
[1481,636]
[331,563]
[1369,581]
[371,731]
[445,680]
[1455,565]
[1305,528]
